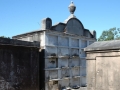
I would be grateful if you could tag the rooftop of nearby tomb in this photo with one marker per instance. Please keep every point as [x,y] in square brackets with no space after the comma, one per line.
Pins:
[7,41]
[104,45]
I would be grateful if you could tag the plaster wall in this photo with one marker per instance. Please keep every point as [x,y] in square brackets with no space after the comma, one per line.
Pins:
[66,58]
[102,69]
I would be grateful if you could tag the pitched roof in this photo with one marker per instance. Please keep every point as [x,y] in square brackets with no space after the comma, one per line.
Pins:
[103,45]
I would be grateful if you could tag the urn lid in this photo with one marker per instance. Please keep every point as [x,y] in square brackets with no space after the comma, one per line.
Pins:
[72,8]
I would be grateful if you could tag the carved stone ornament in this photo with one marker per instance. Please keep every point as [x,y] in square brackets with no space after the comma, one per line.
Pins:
[72,8]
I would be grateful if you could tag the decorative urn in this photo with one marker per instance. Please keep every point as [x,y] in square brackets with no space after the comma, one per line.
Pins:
[72,8]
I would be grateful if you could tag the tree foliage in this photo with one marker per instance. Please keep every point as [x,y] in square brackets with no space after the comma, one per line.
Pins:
[4,37]
[111,34]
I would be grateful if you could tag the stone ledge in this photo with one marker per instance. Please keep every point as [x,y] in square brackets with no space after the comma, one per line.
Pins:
[14,42]
[83,88]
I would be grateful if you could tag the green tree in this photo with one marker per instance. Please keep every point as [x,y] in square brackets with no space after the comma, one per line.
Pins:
[4,37]
[111,34]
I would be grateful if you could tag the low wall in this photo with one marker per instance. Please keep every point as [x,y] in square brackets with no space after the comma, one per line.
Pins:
[19,65]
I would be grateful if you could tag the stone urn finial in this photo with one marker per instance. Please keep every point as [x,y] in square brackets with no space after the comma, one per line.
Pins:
[72,8]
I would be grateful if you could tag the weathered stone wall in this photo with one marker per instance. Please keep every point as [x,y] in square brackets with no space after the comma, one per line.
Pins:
[19,65]
[103,65]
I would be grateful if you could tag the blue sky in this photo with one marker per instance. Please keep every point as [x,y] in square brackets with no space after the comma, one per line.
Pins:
[20,16]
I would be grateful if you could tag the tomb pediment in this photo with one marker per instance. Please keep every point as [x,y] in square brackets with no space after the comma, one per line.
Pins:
[74,26]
